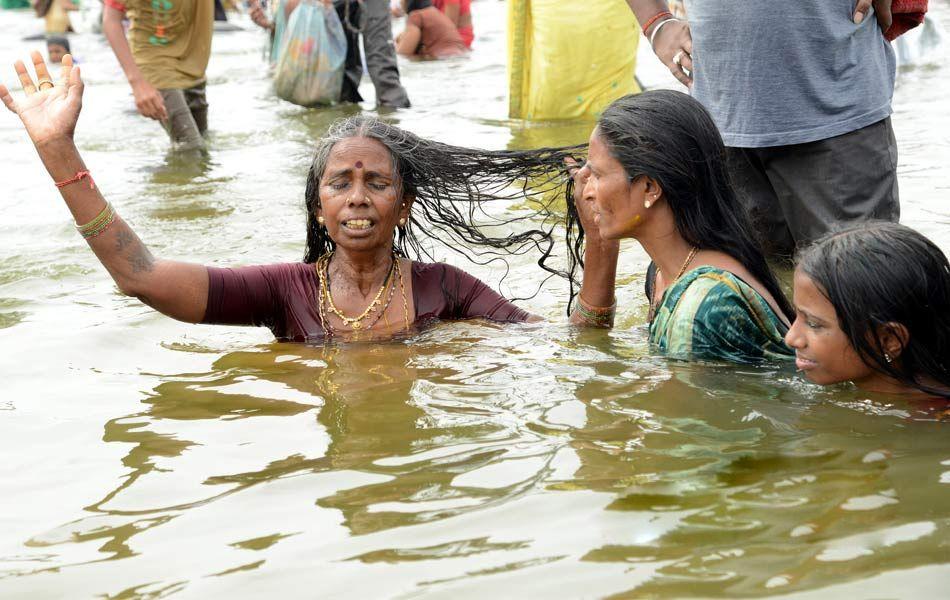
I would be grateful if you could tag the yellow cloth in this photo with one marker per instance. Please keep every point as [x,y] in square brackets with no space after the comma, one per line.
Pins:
[57,19]
[188,25]
[565,62]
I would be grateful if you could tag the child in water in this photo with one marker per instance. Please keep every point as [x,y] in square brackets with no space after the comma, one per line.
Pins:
[57,46]
[873,308]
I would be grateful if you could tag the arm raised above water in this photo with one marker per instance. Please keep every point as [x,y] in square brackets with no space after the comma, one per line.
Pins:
[177,289]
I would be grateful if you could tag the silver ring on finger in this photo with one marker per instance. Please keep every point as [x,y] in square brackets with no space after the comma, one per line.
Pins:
[677,58]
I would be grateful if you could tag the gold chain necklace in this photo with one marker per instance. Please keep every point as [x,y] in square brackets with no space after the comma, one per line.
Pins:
[402,289]
[653,300]
[385,306]
[323,272]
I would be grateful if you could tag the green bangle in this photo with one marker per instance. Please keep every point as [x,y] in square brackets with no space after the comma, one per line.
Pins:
[102,222]
[595,315]
[104,215]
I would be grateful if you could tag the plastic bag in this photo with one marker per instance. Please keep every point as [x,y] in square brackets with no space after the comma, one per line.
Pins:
[567,63]
[310,63]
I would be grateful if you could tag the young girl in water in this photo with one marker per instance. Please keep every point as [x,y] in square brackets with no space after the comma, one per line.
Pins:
[873,308]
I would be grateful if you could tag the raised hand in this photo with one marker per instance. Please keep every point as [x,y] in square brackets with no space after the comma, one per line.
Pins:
[50,110]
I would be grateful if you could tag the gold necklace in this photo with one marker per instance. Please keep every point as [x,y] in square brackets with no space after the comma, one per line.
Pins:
[653,300]
[385,306]
[326,299]
[402,289]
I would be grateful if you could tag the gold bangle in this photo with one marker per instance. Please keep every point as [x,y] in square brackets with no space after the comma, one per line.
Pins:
[591,307]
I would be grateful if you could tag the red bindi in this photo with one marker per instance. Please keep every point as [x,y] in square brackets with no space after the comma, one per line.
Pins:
[359,164]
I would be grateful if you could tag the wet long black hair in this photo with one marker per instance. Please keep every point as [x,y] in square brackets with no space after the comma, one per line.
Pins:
[880,273]
[482,204]
[671,138]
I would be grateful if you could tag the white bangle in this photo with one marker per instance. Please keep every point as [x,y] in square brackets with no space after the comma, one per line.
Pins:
[658,27]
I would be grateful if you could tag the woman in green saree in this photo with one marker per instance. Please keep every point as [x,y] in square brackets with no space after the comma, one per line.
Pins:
[656,172]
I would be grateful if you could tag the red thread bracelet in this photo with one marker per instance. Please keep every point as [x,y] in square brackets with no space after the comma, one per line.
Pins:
[78,177]
[655,18]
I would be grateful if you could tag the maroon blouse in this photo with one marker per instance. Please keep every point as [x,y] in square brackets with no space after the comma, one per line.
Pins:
[283,298]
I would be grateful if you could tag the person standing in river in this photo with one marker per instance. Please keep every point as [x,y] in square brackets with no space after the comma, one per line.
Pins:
[368,19]
[165,58]
[801,92]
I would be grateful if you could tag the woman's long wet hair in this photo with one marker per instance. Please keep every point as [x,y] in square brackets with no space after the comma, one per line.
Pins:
[876,274]
[669,137]
[482,204]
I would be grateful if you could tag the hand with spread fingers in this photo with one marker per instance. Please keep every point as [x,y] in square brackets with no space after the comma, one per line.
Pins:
[50,110]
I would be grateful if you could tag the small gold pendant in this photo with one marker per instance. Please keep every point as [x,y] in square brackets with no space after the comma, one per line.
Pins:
[356,325]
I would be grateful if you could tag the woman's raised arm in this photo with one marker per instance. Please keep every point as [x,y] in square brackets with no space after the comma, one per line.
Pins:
[49,113]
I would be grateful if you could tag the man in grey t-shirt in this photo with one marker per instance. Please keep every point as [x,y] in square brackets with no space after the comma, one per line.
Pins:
[801,92]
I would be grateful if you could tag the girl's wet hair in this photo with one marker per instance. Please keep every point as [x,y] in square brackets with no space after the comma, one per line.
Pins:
[482,204]
[875,274]
[669,137]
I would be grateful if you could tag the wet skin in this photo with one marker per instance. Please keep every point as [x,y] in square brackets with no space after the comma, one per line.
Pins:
[617,203]
[823,351]
[359,197]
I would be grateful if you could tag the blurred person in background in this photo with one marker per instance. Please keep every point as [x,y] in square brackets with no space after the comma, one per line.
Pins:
[368,19]
[164,59]
[428,33]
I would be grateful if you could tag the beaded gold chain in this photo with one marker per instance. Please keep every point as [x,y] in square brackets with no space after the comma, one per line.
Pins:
[325,298]
[323,268]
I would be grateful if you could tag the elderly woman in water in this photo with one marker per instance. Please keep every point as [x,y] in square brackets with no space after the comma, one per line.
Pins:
[654,173]
[370,186]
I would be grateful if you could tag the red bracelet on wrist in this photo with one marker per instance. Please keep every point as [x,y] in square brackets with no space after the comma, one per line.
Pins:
[76,178]
[654,19]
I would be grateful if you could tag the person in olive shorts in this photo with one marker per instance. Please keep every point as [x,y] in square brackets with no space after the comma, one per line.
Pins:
[164,58]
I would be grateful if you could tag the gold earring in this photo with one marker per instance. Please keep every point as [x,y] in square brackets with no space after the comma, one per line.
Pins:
[402,222]
[320,220]
[647,204]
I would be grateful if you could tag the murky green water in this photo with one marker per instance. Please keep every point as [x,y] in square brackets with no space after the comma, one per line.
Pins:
[145,458]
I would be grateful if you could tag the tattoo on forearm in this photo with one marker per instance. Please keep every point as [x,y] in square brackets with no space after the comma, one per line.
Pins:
[123,239]
[141,259]
[138,256]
